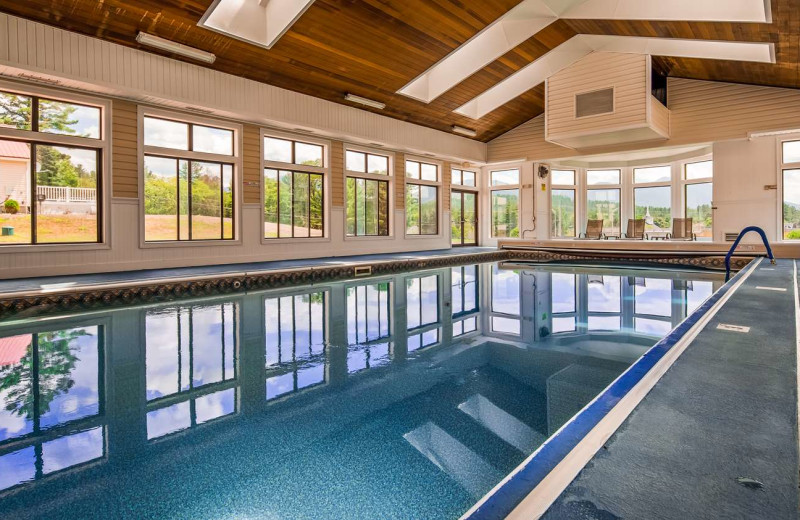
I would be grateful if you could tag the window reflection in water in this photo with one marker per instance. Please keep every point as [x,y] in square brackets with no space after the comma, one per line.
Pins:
[295,342]
[422,340]
[422,301]
[368,326]
[465,326]
[50,386]
[506,303]
[464,281]
[191,354]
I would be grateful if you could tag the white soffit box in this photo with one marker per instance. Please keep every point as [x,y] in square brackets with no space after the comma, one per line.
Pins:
[531,16]
[260,22]
[583,44]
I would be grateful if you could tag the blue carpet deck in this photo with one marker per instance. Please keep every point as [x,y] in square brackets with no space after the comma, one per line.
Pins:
[727,409]
[75,281]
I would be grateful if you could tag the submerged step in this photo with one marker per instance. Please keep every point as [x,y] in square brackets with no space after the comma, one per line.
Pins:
[502,424]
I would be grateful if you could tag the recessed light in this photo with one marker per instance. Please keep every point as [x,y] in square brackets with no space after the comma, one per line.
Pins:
[175,47]
[464,131]
[364,101]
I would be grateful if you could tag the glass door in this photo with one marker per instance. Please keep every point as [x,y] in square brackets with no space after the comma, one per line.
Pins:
[464,216]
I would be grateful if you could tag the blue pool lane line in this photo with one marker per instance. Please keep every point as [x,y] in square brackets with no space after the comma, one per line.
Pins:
[506,498]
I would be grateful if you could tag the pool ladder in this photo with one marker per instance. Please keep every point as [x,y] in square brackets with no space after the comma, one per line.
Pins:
[742,233]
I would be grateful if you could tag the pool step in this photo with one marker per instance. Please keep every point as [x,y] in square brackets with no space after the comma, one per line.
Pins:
[502,424]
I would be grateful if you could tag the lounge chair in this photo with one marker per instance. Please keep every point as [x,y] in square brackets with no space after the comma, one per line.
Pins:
[682,230]
[594,230]
[635,229]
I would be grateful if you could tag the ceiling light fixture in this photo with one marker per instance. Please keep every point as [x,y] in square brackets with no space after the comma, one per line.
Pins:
[364,101]
[464,131]
[174,47]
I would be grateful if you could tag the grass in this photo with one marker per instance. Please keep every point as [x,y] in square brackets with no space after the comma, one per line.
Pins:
[50,228]
[165,227]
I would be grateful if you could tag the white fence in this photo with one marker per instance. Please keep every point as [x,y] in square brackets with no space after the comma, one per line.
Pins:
[66,194]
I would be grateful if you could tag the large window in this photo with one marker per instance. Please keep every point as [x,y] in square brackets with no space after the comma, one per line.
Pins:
[603,199]
[422,198]
[790,161]
[188,181]
[505,188]
[294,200]
[463,178]
[562,203]
[367,194]
[698,184]
[652,198]
[50,176]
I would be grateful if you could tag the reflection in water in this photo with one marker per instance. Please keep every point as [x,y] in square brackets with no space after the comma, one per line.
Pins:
[453,381]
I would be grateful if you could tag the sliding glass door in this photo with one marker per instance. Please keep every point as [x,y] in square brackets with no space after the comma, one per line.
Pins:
[464,217]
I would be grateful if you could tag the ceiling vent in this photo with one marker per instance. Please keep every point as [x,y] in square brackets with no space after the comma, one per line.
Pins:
[594,103]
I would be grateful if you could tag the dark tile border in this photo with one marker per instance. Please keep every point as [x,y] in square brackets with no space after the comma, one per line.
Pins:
[165,291]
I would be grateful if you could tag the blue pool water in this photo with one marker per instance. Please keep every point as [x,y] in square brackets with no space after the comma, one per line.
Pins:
[409,396]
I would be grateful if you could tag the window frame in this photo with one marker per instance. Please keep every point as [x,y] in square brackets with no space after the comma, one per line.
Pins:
[234,160]
[658,184]
[603,187]
[504,187]
[683,183]
[419,182]
[101,144]
[324,170]
[465,187]
[781,181]
[575,189]
[389,178]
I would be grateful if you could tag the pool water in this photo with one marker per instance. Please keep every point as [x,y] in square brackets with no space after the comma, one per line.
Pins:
[409,396]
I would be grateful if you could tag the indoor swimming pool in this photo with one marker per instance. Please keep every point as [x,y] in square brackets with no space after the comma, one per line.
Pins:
[405,396]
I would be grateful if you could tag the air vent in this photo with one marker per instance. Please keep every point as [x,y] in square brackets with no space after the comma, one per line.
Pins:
[594,103]
[363,270]
[731,237]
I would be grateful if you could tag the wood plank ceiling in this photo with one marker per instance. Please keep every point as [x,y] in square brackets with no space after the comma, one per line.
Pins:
[372,48]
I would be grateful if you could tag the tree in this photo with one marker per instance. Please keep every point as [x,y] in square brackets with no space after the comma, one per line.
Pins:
[16,111]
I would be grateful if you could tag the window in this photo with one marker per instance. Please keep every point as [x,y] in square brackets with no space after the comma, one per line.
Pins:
[295,342]
[652,198]
[791,189]
[506,305]
[422,200]
[604,205]
[367,194]
[51,179]
[562,203]
[505,204]
[293,152]
[698,191]
[463,178]
[186,197]
[602,177]
[422,301]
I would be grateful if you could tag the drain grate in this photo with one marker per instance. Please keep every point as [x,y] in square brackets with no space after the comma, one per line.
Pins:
[733,328]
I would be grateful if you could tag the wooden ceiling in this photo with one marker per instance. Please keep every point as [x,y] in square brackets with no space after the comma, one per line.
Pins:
[372,48]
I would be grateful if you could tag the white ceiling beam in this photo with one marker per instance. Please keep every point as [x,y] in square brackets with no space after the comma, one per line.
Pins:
[583,44]
[756,11]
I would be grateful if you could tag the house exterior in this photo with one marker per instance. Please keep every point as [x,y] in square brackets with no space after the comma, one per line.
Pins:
[15,178]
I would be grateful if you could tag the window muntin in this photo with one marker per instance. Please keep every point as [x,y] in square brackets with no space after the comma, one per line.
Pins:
[604,204]
[699,170]
[652,174]
[422,171]
[791,204]
[364,162]
[505,213]
[602,177]
[562,213]
[505,177]
[562,177]
[293,152]
[367,207]
[422,209]
[187,200]
[463,178]
[293,204]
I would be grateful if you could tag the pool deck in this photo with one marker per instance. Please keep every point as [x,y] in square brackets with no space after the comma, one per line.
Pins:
[81,281]
[717,437]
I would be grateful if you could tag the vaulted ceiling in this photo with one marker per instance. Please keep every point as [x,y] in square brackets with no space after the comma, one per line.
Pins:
[373,48]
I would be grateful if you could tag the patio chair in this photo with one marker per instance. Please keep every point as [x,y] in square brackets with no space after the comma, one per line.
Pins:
[594,230]
[635,229]
[682,230]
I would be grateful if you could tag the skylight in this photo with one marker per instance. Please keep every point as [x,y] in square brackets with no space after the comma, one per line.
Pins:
[260,22]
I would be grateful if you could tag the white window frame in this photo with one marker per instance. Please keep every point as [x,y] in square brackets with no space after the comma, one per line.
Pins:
[103,144]
[502,187]
[325,170]
[659,184]
[575,188]
[439,203]
[682,183]
[589,187]
[781,167]
[389,177]
[235,160]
